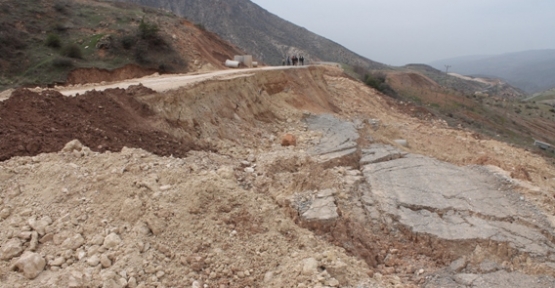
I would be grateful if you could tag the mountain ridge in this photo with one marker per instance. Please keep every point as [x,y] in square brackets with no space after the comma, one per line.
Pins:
[241,21]
[531,70]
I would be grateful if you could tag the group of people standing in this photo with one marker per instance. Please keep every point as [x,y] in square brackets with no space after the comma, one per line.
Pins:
[295,61]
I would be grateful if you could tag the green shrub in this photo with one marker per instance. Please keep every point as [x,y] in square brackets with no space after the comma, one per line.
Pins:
[128,42]
[62,62]
[148,30]
[72,51]
[377,81]
[53,40]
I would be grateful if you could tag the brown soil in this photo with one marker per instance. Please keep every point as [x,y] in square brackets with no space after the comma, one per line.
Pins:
[223,219]
[96,75]
[32,123]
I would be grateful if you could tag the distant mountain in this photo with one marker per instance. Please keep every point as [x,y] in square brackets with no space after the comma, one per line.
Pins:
[532,71]
[259,32]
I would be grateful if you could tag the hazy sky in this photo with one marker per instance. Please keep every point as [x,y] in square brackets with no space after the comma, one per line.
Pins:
[398,32]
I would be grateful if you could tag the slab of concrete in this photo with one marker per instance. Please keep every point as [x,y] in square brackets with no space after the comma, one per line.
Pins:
[380,153]
[339,137]
[499,279]
[457,203]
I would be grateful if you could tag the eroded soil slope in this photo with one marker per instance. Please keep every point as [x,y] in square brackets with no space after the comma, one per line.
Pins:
[346,206]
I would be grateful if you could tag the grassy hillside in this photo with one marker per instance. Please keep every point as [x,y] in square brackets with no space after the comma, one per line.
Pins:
[42,41]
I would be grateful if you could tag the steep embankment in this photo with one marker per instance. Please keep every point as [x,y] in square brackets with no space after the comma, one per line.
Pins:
[343,205]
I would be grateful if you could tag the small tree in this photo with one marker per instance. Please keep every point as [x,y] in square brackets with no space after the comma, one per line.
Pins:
[53,40]
[72,51]
[148,30]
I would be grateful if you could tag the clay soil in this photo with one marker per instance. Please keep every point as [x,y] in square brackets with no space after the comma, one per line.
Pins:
[33,123]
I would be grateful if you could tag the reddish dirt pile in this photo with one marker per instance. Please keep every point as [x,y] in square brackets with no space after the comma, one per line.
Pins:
[96,75]
[32,123]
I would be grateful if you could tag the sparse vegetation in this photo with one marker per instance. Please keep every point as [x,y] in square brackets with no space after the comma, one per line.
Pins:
[68,26]
[72,50]
[128,41]
[377,80]
[148,31]
[53,41]
[62,62]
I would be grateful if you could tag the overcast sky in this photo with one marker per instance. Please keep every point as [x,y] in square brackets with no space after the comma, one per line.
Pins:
[398,32]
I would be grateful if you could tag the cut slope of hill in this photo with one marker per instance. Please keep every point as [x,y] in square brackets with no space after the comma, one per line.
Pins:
[42,41]
[259,32]
[532,71]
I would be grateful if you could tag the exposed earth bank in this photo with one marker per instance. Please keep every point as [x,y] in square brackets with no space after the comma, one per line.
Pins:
[368,196]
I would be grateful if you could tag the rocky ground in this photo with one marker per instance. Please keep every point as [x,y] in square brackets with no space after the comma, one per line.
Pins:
[294,178]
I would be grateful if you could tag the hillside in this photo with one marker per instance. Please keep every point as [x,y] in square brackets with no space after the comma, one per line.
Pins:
[532,71]
[468,85]
[273,177]
[58,41]
[259,32]
[487,106]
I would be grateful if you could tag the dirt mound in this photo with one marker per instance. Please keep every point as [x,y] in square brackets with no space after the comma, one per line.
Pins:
[32,123]
[96,75]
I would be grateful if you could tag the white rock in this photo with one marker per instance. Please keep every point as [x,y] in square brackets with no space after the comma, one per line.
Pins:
[97,240]
[155,224]
[165,187]
[268,276]
[73,242]
[249,170]
[75,279]
[5,213]
[105,261]
[57,262]
[93,260]
[38,225]
[310,266]
[132,283]
[332,282]
[11,249]
[31,264]
[196,284]
[34,241]
[106,275]
[112,240]
[73,145]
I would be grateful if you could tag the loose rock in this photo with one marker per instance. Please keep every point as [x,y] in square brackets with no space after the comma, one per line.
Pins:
[31,264]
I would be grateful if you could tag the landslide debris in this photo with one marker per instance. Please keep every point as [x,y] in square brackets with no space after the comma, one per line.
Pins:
[346,206]
[33,123]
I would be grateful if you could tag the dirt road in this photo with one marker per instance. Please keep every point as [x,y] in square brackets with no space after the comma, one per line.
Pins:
[161,83]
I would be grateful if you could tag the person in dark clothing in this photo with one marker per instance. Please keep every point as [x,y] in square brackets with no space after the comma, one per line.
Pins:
[288,61]
[302,60]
